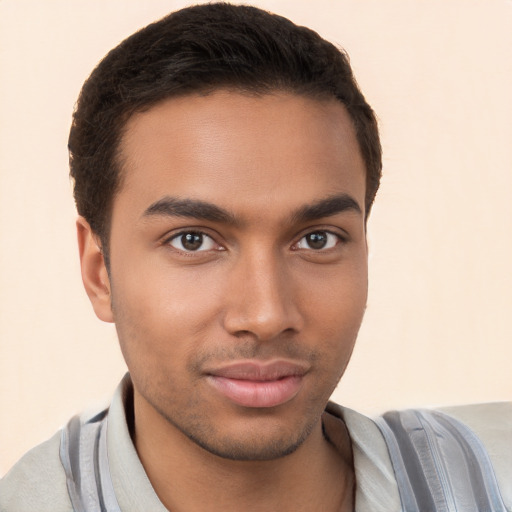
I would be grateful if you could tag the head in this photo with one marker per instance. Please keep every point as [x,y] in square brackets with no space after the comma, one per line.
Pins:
[225,163]
[198,50]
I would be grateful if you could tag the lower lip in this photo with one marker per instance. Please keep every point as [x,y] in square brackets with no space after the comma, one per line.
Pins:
[250,393]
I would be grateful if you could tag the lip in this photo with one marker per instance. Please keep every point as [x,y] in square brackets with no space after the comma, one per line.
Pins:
[258,384]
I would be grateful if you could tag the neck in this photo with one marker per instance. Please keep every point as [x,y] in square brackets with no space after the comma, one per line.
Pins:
[316,476]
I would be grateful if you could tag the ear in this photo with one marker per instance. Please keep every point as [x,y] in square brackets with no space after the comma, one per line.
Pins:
[94,272]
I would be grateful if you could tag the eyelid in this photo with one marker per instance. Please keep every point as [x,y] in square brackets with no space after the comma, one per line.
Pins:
[341,236]
[329,243]
[169,237]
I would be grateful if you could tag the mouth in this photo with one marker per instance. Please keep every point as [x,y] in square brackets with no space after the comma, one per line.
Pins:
[258,384]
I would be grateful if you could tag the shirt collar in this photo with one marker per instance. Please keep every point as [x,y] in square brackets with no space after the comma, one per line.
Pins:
[376,488]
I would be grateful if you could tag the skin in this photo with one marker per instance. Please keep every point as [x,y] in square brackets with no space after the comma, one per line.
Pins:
[258,286]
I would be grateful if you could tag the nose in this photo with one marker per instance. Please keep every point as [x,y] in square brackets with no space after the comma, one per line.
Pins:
[263,300]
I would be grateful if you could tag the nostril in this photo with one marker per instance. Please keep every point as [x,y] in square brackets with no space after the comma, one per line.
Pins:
[242,334]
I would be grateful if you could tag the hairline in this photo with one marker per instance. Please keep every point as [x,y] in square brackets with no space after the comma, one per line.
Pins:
[259,91]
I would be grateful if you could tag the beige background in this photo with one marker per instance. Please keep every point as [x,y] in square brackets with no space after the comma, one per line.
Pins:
[438,328]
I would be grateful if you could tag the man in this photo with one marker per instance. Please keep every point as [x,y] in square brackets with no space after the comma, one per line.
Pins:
[225,164]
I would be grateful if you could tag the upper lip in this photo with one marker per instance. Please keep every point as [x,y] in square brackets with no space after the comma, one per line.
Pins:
[260,370]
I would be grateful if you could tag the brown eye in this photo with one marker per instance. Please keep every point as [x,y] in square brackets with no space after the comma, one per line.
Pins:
[192,241]
[318,240]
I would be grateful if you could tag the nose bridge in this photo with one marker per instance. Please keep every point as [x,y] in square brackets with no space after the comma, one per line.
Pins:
[262,302]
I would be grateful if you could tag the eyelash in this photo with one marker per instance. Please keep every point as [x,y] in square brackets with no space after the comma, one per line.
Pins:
[179,236]
[338,239]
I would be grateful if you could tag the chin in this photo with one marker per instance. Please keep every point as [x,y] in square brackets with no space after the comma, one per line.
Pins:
[255,439]
[259,448]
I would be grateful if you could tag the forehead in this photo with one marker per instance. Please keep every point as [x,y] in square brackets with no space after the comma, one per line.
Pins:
[227,147]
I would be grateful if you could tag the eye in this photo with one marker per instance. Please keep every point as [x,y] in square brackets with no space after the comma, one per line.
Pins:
[192,241]
[318,240]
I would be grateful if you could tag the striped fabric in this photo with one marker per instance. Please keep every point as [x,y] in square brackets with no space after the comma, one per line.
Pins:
[439,463]
[83,453]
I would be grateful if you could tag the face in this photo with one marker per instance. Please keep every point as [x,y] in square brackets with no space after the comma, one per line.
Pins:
[239,265]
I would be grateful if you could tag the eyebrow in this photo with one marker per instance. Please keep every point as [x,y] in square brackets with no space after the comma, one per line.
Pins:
[197,209]
[327,207]
[193,208]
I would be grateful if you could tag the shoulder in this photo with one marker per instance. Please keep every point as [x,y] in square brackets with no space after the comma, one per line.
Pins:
[443,453]
[37,482]
[492,424]
[491,421]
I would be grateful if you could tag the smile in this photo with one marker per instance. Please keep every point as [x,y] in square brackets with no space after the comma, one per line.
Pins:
[253,384]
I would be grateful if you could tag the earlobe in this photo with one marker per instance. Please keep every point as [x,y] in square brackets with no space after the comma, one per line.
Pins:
[94,272]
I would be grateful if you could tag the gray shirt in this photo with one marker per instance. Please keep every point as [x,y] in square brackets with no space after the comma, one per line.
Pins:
[37,483]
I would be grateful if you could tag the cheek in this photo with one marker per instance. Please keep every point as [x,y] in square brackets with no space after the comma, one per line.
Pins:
[160,314]
[337,299]
[162,291]
[335,312]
